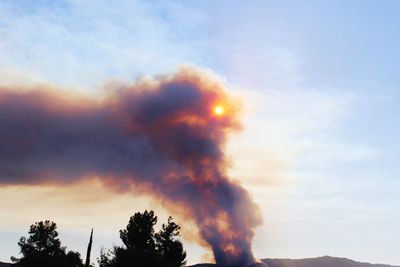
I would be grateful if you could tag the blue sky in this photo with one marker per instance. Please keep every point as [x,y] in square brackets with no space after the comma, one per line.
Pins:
[319,82]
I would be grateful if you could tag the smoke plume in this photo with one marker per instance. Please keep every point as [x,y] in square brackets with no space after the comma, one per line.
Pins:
[162,136]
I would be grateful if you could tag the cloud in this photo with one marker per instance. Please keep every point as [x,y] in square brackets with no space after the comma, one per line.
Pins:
[96,40]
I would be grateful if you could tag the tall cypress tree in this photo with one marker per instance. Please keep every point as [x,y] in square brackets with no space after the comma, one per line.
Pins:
[89,249]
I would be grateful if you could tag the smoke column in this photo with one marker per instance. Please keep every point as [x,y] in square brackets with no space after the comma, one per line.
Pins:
[161,136]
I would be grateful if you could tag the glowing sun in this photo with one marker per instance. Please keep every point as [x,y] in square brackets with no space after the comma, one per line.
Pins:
[218,110]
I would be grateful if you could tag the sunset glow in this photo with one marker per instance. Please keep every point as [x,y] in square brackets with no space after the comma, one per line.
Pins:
[219,110]
[267,130]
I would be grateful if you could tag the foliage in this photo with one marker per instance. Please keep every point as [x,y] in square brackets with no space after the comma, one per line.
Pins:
[145,248]
[43,248]
[170,248]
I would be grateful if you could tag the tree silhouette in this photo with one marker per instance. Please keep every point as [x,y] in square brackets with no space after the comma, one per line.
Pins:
[169,246]
[43,248]
[145,248]
[139,233]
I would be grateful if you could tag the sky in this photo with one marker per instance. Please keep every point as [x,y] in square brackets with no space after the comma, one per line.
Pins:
[319,85]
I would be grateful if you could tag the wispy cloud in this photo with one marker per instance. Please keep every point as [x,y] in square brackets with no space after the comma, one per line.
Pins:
[82,43]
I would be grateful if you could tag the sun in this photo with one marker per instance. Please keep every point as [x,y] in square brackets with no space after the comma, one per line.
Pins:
[219,110]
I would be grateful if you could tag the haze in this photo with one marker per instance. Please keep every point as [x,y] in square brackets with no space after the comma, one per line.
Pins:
[318,83]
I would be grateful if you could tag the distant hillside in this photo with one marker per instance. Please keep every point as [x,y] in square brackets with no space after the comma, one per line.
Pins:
[312,262]
[320,262]
[2,264]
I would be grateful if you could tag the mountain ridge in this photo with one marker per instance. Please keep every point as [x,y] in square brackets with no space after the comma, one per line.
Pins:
[324,261]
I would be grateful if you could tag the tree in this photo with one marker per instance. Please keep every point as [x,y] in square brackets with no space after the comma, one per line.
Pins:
[145,248]
[89,249]
[169,246]
[107,257]
[43,248]
[139,233]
